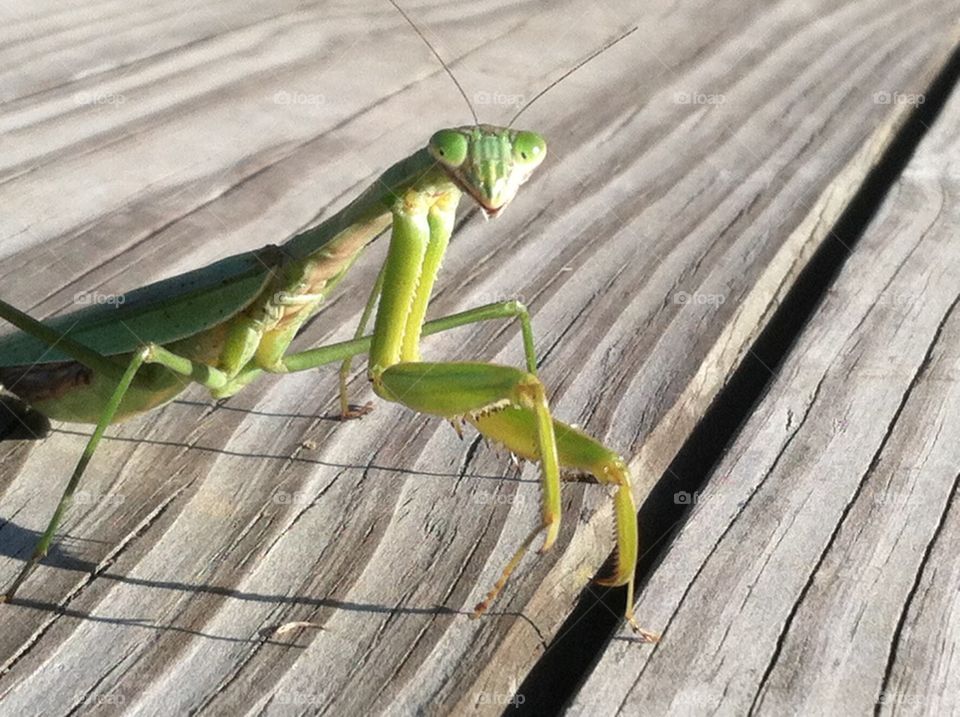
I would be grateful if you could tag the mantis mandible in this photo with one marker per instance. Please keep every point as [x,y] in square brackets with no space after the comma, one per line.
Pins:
[226,324]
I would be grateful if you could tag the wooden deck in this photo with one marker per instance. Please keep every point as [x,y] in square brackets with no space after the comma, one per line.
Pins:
[830,528]
[694,171]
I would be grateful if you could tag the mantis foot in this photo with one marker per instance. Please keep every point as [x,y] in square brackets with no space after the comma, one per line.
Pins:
[353,411]
[644,635]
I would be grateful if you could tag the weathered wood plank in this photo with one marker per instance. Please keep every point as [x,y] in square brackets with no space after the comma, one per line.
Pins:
[818,572]
[705,157]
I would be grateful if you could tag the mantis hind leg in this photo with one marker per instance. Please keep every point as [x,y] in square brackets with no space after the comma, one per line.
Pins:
[43,545]
[149,353]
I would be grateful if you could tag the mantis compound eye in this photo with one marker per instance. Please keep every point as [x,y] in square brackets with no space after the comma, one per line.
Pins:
[529,149]
[449,147]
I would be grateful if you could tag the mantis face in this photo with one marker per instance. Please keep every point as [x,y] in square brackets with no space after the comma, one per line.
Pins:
[488,163]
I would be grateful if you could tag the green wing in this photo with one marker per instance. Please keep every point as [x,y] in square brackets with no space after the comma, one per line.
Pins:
[162,312]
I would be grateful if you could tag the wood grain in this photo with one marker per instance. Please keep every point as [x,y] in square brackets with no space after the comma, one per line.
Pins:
[692,171]
[818,571]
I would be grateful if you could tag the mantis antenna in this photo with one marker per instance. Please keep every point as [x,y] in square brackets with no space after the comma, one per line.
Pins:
[537,96]
[440,59]
[573,69]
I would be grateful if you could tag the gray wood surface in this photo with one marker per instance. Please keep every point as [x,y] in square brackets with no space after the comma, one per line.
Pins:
[819,573]
[693,169]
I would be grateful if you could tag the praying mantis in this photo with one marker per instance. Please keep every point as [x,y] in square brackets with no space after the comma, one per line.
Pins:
[224,325]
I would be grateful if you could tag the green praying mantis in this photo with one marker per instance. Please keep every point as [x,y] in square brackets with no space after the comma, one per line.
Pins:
[226,324]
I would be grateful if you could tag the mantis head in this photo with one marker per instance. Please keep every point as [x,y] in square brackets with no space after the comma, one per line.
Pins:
[488,163]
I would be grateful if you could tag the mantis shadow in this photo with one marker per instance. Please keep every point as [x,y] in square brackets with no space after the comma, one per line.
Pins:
[19,422]
[265,635]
